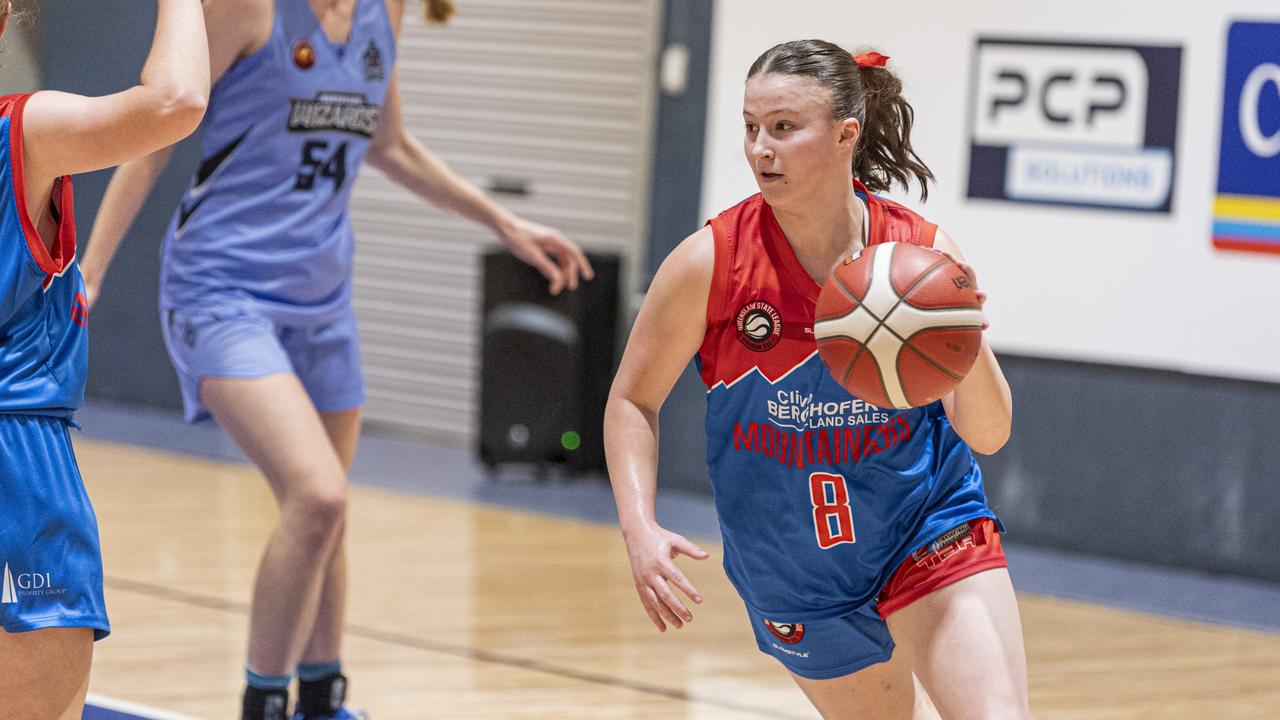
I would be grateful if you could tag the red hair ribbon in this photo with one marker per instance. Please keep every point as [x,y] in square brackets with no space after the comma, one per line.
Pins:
[871,59]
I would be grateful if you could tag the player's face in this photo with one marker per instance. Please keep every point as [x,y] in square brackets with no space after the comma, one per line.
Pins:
[791,141]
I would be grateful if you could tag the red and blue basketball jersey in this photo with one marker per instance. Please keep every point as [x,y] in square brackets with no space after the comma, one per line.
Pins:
[820,495]
[43,316]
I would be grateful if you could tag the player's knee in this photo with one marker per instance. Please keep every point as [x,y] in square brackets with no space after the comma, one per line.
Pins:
[997,710]
[319,512]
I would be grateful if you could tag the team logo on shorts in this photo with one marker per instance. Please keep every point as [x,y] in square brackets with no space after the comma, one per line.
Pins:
[759,325]
[304,54]
[951,542]
[9,595]
[13,587]
[789,633]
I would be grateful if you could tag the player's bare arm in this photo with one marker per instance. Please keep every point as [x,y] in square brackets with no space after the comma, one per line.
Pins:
[67,134]
[981,406]
[404,159]
[236,30]
[667,332]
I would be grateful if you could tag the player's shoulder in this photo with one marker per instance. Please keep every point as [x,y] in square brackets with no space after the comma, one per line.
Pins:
[248,18]
[694,257]
[249,9]
[902,224]
[395,11]
[748,205]
[895,208]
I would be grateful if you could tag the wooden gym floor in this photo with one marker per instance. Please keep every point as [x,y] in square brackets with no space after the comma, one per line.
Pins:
[464,610]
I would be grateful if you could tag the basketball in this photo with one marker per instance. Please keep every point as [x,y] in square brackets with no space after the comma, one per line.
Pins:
[898,325]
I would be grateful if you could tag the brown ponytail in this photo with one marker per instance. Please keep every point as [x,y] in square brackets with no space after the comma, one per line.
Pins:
[873,95]
[439,11]
[884,154]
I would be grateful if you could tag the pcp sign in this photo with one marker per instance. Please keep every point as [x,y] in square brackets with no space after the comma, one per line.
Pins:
[1246,211]
[1085,124]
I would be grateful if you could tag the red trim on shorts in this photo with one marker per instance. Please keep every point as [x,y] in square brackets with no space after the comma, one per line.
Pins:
[925,571]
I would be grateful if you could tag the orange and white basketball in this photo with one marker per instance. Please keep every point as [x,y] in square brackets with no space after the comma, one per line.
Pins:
[898,325]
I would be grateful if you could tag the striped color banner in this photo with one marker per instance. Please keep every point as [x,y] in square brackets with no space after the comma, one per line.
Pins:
[1244,222]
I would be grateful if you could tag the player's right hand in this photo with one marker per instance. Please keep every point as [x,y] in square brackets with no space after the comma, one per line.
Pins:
[652,550]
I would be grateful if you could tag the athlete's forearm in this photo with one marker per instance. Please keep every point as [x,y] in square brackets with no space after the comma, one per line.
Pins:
[982,406]
[126,193]
[631,448]
[177,68]
[409,163]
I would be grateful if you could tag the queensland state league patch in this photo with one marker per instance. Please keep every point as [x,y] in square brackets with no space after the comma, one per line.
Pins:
[789,633]
[759,325]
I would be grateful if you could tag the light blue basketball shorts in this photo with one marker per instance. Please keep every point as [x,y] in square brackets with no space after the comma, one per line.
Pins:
[247,344]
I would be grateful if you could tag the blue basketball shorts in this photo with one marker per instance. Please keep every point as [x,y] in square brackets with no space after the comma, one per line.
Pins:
[841,646]
[50,559]
[245,344]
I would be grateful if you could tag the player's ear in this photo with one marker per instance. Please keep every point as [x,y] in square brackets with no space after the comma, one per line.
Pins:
[4,16]
[850,132]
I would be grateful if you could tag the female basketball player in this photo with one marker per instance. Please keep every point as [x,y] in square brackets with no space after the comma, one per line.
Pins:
[256,290]
[51,603]
[847,528]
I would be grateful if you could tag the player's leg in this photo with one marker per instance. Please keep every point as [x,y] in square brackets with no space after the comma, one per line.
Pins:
[846,666]
[51,599]
[343,429]
[321,661]
[884,690]
[962,635]
[326,358]
[44,674]
[275,423]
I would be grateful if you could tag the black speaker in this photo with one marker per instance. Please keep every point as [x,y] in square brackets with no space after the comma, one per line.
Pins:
[546,364]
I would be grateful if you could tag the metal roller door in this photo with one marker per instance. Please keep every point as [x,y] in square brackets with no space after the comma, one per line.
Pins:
[547,105]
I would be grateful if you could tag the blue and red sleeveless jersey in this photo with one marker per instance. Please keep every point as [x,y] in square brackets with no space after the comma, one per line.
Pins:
[266,221]
[820,495]
[43,317]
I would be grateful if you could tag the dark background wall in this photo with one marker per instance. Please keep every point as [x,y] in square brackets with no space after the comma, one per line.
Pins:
[1142,464]
[675,212]
[127,360]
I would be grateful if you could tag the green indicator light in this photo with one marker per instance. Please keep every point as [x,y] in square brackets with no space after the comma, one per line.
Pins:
[571,440]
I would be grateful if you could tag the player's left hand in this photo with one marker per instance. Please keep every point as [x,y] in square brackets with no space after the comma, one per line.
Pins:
[559,260]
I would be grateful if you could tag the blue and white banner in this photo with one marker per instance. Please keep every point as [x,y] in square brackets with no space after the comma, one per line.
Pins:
[1084,124]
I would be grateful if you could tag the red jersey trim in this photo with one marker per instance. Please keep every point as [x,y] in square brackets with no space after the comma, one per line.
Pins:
[784,255]
[756,369]
[64,246]
[721,268]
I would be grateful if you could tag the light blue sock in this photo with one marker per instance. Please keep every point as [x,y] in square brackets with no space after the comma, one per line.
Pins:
[310,672]
[256,679]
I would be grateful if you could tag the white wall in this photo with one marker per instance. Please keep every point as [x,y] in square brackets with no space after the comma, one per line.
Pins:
[1114,286]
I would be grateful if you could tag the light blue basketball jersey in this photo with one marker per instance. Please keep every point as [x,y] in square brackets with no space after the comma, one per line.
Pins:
[44,319]
[265,222]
